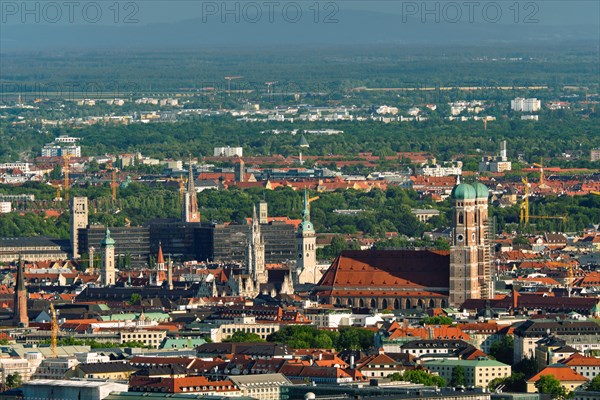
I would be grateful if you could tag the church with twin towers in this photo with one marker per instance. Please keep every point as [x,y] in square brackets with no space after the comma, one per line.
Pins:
[397,279]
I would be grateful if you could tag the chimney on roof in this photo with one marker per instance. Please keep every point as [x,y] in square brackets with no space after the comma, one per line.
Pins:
[515,299]
[352,361]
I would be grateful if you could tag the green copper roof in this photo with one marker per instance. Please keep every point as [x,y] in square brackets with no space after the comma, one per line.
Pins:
[306,225]
[481,191]
[484,362]
[463,191]
[107,241]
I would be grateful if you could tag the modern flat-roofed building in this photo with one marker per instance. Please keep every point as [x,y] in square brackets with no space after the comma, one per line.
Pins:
[70,389]
[131,242]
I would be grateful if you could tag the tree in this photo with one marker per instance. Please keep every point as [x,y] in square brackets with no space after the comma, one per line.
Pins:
[594,384]
[548,384]
[438,320]
[56,173]
[418,376]
[136,298]
[502,350]
[13,380]
[241,337]
[528,366]
[458,376]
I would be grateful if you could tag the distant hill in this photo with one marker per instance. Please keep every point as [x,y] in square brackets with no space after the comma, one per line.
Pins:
[353,27]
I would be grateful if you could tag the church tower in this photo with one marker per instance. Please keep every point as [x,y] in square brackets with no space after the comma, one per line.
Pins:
[108,259]
[256,253]
[20,316]
[190,212]
[306,259]
[160,267]
[483,241]
[469,253]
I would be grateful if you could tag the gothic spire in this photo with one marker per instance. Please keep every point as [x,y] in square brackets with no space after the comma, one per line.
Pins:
[20,275]
[306,210]
[191,189]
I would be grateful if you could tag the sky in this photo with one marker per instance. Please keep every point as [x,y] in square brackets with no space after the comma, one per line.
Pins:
[145,23]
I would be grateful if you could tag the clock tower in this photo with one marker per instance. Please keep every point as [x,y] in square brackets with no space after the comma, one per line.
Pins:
[306,257]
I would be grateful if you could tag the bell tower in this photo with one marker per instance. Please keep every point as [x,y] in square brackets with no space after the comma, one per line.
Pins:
[306,258]
[190,212]
[108,259]
[464,252]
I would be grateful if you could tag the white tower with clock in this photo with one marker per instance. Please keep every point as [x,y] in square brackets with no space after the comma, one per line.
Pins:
[466,256]
[306,258]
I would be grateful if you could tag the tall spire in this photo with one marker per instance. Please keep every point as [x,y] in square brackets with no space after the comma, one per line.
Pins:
[306,210]
[190,211]
[20,316]
[160,259]
[20,275]
[191,187]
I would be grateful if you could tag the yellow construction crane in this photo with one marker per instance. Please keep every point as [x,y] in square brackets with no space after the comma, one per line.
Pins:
[66,158]
[181,181]
[542,184]
[54,331]
[310,200]
[181,188]
[524,216]
[113,184]
[229,79]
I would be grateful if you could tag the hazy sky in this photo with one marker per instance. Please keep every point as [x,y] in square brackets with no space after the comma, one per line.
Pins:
[551,12]
[546,12]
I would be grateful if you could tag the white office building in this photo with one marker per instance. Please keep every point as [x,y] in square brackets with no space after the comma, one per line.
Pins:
[525,105]
[228,151]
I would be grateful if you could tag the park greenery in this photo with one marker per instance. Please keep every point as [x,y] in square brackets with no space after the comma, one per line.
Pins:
[383,211]
[548,384]
[244,337]
[308,337]
[13,380]
[94,344]
[418,376]
[502,350]
[593,385]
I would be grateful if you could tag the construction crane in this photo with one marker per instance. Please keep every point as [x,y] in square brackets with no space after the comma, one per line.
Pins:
[113,184]
[269,84]
[524,216]
[542,184]
[54,330]
[310,200]
[229,79]
[66,158]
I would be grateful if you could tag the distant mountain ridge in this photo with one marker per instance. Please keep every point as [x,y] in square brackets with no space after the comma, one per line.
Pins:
[353,27]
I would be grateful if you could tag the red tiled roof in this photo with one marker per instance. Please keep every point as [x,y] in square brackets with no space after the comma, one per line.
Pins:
[377,272]
[578,360]
[562,373]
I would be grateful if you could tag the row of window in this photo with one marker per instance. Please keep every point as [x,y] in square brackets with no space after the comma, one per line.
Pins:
[252,330]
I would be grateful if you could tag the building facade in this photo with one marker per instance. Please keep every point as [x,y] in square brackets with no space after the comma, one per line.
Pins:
[107,273]
[470,266]
[79,220]
[478,373]
[306,248]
